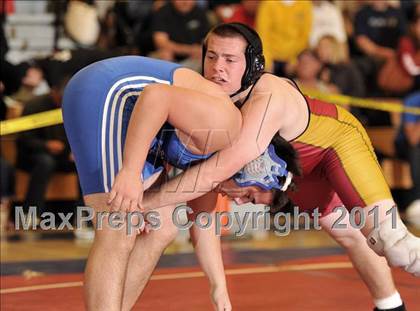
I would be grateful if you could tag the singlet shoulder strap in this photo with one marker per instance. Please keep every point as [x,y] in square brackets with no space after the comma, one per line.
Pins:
[249,93]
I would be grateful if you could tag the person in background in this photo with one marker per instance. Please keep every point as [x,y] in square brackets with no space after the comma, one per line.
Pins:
[7,175]
[41,152]
[338,70]
[308,69]
[341,72]
[288,22]
[245,13]
[378,28]
[328,21]
[178,29]
[409,48]
[407,146]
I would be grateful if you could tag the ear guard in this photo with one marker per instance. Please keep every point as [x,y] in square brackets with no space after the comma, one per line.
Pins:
[265,172]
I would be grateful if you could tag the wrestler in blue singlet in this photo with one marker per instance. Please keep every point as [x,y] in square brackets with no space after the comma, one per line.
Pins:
[97,106]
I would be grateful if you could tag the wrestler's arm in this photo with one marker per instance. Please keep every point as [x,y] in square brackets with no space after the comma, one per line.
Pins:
[185,109]
[208,250]
[262,118]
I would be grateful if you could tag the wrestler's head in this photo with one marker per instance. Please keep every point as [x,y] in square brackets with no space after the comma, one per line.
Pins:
[265,179]
[246,194]
[232,57]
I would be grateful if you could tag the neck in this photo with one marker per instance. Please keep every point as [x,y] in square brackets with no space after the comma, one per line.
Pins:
[240,97]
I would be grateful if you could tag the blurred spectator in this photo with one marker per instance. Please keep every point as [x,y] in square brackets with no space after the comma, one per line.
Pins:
[405,66]
[409,7]
[7,176]
[68,62]
[7,191]
[342,73]
[4,47]
[409,48]
[81,22]
[144,33]
[408,143]
[3,107]
[401,74]
[22,80]
[245,13]
[284,27]
[222,9]
[23,77]
[102,7]
[328,20]
[31,84]
[349,10]
[378,28]
[308,69]
[41,152]
[128,24]
[178,30]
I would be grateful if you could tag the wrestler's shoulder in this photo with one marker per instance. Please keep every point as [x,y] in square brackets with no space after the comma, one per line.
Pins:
[270,82]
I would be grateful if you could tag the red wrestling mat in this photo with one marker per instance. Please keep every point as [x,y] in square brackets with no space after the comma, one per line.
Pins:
[325,283]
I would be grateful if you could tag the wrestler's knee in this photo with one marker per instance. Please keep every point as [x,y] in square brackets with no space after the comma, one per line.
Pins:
[345,234]
[117,240]
[167,230]
[166,234]
[348,238]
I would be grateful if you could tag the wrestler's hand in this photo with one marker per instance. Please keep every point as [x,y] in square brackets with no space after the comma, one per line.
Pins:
[127,192]
[220,299]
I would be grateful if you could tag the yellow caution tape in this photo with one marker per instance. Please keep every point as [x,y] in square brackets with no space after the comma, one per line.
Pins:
[54,117]
[30,122]
[338,99]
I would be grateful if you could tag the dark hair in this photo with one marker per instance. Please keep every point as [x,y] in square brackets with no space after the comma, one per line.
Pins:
[255,61]
[308,52]
[285,151]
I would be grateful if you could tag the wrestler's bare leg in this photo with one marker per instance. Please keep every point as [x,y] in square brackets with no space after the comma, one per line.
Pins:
[149,248]
[146,253]
[377,212]
[107,260]
[372,268]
